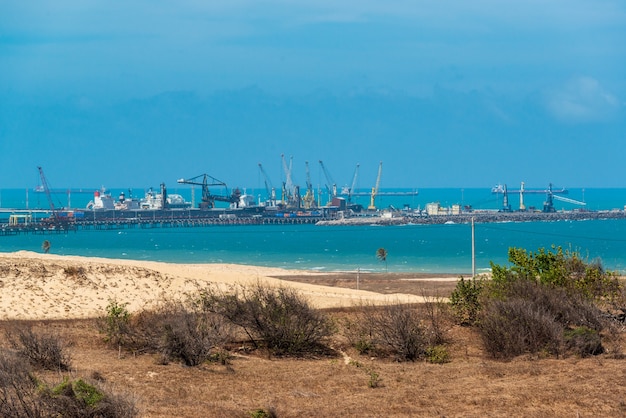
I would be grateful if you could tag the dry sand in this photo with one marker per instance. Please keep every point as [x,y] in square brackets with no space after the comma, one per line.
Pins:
[47,286]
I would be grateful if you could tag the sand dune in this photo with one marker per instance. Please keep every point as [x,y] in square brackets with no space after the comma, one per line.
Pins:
[47,286]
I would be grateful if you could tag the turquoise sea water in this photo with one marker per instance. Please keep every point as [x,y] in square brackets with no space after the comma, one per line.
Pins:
[415,248]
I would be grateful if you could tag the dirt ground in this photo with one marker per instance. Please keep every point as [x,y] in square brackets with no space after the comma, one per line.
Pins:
[420,284]
[470,385]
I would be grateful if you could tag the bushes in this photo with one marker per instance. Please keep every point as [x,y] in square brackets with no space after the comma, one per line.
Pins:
[397,330]
[22,394]
[515,326]
[45,351]
[539,304]
[278,318]
[175,330]
[275,318]
[189,335]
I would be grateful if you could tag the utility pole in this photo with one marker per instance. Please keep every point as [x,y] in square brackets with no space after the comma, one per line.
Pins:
[473,250]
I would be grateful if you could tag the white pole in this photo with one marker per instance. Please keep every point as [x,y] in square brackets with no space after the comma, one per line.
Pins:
[473,250]
[358,271]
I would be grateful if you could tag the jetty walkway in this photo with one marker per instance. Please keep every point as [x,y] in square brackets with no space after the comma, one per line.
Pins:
[63,227]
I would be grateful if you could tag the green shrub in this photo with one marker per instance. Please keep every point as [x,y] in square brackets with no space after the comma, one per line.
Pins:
[116,324]
[437,354]
[560,269]
[465,300]
[262,413]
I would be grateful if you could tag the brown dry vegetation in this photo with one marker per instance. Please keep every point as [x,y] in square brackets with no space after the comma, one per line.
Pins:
[339,385]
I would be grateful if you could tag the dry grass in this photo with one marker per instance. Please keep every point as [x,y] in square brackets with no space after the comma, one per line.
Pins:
[471,385]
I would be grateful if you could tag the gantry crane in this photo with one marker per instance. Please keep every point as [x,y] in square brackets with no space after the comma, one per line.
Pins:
[372,205]
[548,205]
[208,199]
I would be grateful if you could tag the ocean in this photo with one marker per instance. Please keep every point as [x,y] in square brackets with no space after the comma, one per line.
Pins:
[410,248]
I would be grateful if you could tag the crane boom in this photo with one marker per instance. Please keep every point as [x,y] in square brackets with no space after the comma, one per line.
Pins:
[568,200]
[271,191]
[46,189]
[288,185]
[331,186]
[353,186]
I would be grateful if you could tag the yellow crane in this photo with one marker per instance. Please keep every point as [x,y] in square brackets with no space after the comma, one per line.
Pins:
[309,197]
[372,205]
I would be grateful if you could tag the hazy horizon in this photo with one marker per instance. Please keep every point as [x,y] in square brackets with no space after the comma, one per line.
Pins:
[446,94]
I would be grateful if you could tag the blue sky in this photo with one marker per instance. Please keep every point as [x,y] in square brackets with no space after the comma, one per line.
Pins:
[444,93]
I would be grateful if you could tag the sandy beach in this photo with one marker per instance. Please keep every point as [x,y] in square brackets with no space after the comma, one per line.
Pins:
[48,286]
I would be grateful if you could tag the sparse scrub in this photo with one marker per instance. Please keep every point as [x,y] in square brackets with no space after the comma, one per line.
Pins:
[279,318]
[393,329]
[23,395]
[191,336]
[74,271]
[434,310]
[398,328]
[515,326]
[175,330]
[41,350]
[359,331]
[374,377]
[17,387]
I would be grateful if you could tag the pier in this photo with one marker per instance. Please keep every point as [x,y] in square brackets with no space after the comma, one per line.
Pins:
[46,226]
[26,223]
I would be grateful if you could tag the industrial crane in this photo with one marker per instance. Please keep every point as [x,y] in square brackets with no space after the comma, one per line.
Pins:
[331,186]
[208,199]
[309,197]
[288,192]
[372,205]
[271,191]
[44,183]
[353,186]
[548,205]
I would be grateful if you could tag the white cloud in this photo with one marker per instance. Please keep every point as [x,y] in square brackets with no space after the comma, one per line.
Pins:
[582,99]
